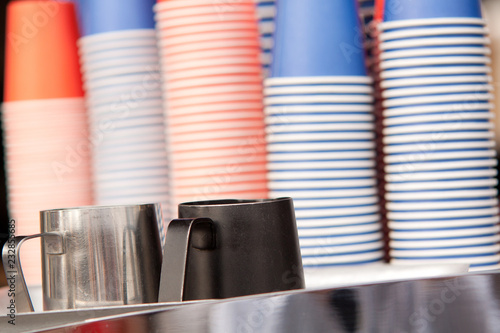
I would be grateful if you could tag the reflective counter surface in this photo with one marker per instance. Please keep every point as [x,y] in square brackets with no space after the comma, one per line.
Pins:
[466,303]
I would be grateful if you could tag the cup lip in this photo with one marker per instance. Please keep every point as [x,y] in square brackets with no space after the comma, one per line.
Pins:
[110,36]
[433,41]
[305,80]
[232,202]
[435,51]
[428,32]
[429,22]
[401,83]
[99,207]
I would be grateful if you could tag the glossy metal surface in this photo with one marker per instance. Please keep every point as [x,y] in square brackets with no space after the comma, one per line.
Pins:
[110,256]
[13,267]
[252,248]
[461,304]
[184,236]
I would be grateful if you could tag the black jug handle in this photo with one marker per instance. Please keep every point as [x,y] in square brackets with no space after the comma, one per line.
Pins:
[182,234]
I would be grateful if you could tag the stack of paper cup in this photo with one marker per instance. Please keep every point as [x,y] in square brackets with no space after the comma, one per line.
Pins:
[213,87]
[440,155]
[120,64]
[266,12]
[319,115]
[44,120]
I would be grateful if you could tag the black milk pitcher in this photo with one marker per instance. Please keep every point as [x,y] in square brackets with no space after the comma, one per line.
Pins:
[229,248]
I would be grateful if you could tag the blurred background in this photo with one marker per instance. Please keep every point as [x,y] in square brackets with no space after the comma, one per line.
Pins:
[492,6]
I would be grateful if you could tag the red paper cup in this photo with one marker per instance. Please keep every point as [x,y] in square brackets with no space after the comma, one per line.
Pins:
[41,59]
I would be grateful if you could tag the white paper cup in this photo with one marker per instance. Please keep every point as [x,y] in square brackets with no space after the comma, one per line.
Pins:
[334,241]
[320,174]
[433,80]
[436,147]
[341,108]
[118,44]
[314,118]
[442,214]
[436,185]
[308,165]
[443,127]
[314,139]
[338,231]
[444,98]
[438,137]
[455,204]
[321,194]
[112,36]
[433,31]
[433,41]
[434,61]
[428,243]
[425,109]
[320,127]
[436,155]
[435,52]
[113,54]
[433,90]
[282,81]
[342,202]
[432,253]
[441,195]
[443,224]
[321,184]
[150,79]
[466,232]
[430,22]
[429,118]
[318,89]
[343,259]
[458,260]
[325,250]
[130,174]
[321,155]
[311,99]
[338,221]
[439,175]
[116,71]
[483,268]
[434,71]
[318,146]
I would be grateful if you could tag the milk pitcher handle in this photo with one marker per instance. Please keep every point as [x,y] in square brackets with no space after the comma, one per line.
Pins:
[11,259]
[182,234]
